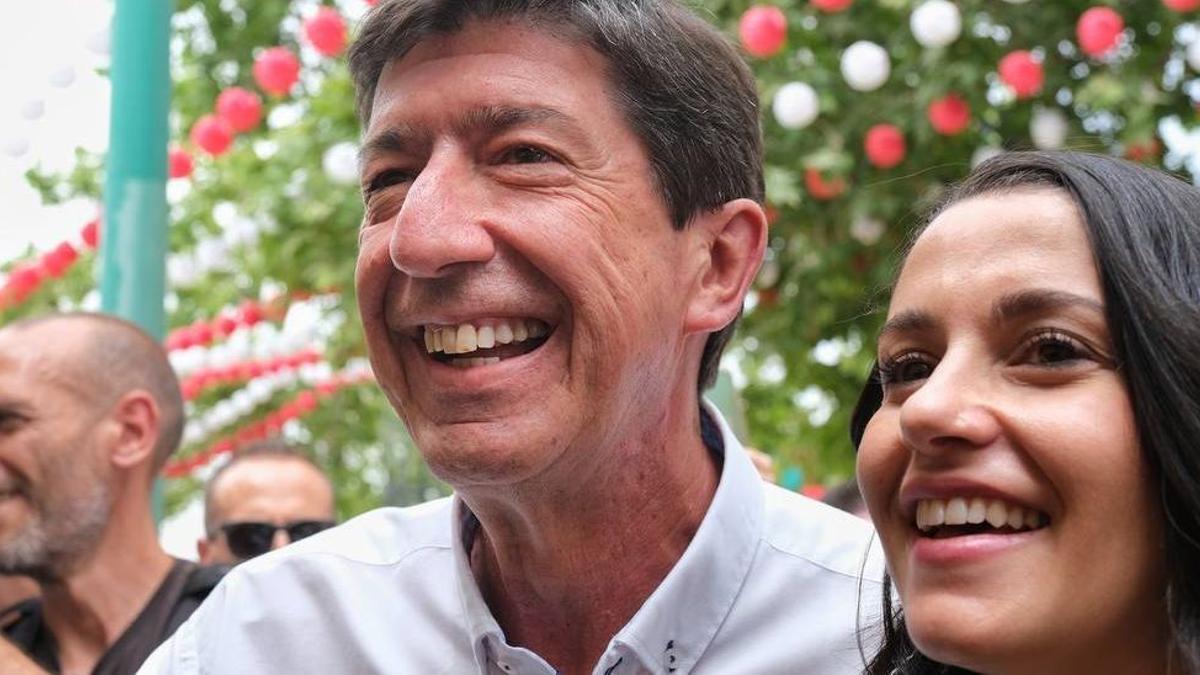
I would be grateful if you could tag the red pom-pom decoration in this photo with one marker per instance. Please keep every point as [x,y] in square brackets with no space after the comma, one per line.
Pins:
[326,31]
[91,234]
[56,262]
[831,6]
[276,70]
[1098,30]
[179,163]
[250,313]
[1182,5]
[1021,72]
[763,30]
[224,325]
[24,280]
[885,146]
[949,115]
[821,189]
[241,109]
[212,135]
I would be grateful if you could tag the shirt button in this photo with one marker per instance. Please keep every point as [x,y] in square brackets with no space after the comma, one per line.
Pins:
[504,666]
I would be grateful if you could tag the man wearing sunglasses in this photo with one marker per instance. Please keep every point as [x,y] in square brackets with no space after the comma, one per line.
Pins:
[267,496]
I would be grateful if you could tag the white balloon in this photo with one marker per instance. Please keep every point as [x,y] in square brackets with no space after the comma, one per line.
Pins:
[63,77]
[936,23]
[1048,128]
[33,109]
[865,66]
[795,105]
[15,147]
[1193,54]
[341,163]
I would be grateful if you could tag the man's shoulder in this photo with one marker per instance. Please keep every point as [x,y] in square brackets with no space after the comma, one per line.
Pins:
[820,534]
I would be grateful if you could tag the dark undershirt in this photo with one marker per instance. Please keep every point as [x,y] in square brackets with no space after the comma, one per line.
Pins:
[181,592]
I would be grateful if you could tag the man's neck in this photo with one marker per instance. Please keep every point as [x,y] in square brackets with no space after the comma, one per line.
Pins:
[563,571]
[89,608]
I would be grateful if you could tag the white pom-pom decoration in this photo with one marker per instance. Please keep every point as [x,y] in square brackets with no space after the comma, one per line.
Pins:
[100,42]
[865,66]
[983,154]
[1048,128]
[867,231]
[936,23]
[33,109]
[341,163]
[1193,54]
[795,105]
[63,77]
[15,147]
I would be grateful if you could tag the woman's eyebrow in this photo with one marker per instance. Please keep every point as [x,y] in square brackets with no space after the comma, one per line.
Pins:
[1020,304]
[911,321]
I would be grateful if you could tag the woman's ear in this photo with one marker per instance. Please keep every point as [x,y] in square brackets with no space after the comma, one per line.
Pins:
[729,249]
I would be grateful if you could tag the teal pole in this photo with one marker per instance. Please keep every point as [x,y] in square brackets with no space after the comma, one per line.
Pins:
[134,236]
[134,244]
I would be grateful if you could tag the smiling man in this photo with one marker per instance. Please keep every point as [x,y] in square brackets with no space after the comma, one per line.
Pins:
[563,214]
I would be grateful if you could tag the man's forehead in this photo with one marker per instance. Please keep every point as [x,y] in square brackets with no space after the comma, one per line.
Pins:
[509,50]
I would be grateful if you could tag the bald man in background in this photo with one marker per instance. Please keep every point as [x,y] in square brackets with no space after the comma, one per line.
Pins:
[268,495]
[90,410]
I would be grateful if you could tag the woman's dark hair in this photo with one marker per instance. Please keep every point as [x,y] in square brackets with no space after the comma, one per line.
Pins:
[1144,230]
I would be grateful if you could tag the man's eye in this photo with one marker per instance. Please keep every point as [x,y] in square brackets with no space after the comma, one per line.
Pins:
[386,179]
[525,154]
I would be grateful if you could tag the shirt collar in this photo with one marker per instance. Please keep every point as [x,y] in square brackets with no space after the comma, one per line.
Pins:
[677,622]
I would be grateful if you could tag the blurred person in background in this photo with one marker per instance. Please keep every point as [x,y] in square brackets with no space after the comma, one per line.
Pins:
[847,497]
[90,410]
[266,496]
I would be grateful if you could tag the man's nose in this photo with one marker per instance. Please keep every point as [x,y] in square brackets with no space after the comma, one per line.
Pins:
[952,408]
[441,223]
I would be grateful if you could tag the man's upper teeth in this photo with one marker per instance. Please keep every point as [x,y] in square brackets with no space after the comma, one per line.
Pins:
[933,513]
[467,337]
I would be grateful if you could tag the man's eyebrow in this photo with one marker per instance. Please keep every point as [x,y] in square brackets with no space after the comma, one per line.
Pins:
[481,121]
[490,120]
[1039,301]
[912,321]
[393,140]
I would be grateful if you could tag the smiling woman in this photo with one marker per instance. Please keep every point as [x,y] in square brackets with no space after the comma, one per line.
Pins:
[1027,440]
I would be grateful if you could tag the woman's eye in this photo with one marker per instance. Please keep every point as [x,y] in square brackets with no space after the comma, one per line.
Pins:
[910,367]
[1053,348]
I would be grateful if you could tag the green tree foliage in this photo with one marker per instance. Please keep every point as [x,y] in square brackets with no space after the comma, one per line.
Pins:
[807,337]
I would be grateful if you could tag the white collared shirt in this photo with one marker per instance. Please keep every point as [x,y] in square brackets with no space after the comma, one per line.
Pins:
[772,582]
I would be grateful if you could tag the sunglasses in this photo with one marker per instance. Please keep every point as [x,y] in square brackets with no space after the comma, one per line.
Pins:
[250,539]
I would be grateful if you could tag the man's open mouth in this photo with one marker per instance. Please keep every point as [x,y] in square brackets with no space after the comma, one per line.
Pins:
[483,343]
[962,516]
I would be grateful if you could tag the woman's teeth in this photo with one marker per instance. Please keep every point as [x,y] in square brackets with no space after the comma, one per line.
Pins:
[467,338]
[935,513]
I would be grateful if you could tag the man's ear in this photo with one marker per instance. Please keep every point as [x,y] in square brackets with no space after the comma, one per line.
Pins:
[136,418]
[729,249]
